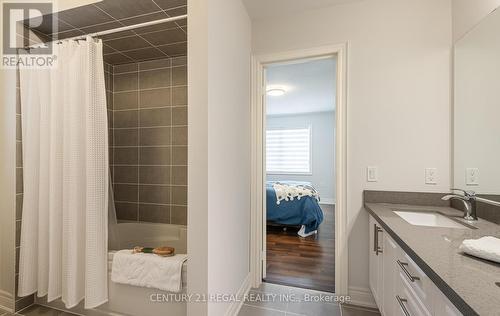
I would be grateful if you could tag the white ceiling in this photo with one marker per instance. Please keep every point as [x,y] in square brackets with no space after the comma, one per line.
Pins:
[258,9]
[310,87]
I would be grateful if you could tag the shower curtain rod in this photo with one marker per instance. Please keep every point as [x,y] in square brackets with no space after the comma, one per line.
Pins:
[118,29]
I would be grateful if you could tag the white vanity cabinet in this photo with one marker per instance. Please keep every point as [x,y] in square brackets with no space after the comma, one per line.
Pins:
[398,285]
[376,261]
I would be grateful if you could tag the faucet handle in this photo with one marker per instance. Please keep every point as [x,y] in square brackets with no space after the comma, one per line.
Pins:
[466,193]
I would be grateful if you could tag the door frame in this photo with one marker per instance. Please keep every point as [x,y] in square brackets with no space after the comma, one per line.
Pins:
[257,224]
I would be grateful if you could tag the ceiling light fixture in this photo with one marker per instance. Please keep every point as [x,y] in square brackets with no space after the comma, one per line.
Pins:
[276,92]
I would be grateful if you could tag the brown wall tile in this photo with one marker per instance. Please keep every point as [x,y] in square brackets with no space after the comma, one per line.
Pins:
[154,98]
[155,136]
[154,213]
[19,133]
[179,115]
[179,215]
[154,175]
[155,117]
[126,137]
[127,211]
[179,175]
[129,118]
[154,64]
[179,155]
[179,95]
[18,233]
[19,154]
[19,180]
[125,100]
[179,135]
[126,192]
[146,157]
[126,156]
[159,194]
[125,82]
[125,68]
[126,174]
[158,78]
[179,195]
[179,75]
[19,206]
[155,155]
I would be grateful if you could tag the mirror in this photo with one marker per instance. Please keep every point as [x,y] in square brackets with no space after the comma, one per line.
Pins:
[477,108]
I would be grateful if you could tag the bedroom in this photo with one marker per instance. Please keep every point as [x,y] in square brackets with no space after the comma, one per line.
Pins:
[300,173]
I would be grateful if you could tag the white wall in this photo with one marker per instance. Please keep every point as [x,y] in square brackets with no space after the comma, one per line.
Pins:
[219,39]
[323,150]
[468,13]
[398,95]
[476,106]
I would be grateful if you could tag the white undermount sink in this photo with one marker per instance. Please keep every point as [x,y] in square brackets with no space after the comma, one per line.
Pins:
[432,219]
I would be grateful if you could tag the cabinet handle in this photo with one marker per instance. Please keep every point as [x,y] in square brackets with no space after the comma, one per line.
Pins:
[403,266]
[376,248]
[402,302]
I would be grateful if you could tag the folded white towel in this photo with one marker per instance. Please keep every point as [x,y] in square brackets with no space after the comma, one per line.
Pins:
[148,270]
[485,247]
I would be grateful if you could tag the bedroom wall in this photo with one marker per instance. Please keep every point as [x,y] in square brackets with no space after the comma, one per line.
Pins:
[323,149]
[398,96]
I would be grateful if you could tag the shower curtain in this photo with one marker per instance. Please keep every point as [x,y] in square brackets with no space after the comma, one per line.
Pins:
[64,234]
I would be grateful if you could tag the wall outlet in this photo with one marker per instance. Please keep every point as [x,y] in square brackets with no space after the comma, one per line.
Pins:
[372,174]
[472,176]
[431,176]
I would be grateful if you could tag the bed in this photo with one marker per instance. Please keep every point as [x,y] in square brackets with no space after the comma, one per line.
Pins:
[304,212]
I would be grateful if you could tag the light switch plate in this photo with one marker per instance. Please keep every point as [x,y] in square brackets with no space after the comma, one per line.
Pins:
[472,176]
[431,176]
[372,174]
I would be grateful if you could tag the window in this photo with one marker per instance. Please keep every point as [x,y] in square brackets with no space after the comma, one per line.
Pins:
[288,151]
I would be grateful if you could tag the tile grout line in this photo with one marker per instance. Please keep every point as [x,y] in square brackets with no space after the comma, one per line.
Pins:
[137,74]
[171,137]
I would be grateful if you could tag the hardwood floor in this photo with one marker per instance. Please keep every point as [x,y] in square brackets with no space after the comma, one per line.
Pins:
[303,262]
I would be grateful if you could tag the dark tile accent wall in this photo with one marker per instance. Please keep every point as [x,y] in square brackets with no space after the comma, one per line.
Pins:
[149,128]
[21,302]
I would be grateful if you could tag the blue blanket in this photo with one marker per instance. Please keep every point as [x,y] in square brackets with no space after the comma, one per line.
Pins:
[305,211]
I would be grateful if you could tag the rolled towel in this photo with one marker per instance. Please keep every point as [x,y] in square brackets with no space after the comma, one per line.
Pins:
[485,247]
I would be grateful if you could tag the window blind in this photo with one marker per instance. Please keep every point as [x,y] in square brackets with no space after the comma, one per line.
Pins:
[288,151]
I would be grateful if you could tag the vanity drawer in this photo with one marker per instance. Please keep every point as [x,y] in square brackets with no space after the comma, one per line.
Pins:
[407,302]
[415,278]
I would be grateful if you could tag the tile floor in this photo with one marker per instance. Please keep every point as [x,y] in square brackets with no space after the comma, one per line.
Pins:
[267,300]
[37,310]
[277,300]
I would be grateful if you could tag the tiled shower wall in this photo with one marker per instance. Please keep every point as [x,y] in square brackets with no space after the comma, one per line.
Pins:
[21,302]
[149,140]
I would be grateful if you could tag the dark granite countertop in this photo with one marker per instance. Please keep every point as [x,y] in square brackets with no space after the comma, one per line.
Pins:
[468,282]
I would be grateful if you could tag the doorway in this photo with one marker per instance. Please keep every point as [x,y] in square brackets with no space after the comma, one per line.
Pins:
[300,173]
[299,168]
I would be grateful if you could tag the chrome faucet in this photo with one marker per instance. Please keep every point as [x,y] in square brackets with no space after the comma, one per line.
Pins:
[469,199]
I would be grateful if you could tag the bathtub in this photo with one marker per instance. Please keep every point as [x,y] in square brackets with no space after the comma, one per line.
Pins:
[131,300]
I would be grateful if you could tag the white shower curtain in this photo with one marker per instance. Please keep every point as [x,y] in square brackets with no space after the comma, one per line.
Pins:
[65,158]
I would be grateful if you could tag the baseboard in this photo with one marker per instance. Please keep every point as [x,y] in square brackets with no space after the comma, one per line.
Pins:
[361,297]
[236,305]
[327,201]
[6,301]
